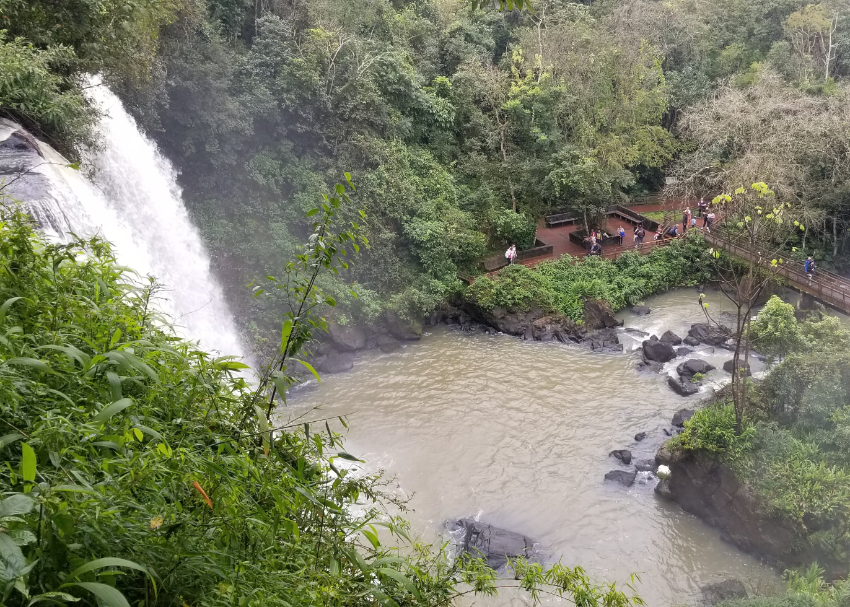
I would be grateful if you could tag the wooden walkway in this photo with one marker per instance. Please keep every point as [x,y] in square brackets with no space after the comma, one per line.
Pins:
[826,287]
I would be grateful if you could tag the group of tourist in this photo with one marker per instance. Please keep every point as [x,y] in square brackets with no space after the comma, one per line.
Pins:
[708,216]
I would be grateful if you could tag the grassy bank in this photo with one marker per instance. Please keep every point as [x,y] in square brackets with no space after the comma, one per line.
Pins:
[561,285]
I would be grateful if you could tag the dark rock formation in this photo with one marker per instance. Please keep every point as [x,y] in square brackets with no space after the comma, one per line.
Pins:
[710,334]
[387,343]
[671,338]
[494,544]
[730,364]
[624,455]
[689,368]
[604,340]
[401,329]
[337,362]
[556,327]
[640,436]
[690,341]
[713,594]
[640,310]
[649,366]
[598,315]
[636,332]
[658,351]
[645,465]
[682,388]
[681,416]
[347,339]
[624,477]
[710,490]
[683,351]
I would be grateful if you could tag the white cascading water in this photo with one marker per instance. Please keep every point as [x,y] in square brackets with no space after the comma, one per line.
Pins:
[134,202]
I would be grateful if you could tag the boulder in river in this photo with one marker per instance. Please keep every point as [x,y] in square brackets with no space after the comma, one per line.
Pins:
[403,330]
[716,593]
[682,388]
[671,338]
[337,362]
[658,351]
[624,477]
[681,416]
[492,543]
[555,327]
[683,351]
[649,366]
[730,364]
[640,436]
[640,310]
[598,315]
[604,340]
[691,367]
[710,334]
[645,465]
[387,343]
[624,455]
[347,339]
[690,341]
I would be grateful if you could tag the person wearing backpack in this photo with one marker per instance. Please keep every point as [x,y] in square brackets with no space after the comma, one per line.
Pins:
[621,233]
[510,254]
[809,267]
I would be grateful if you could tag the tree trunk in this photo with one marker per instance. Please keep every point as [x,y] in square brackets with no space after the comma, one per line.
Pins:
[834,236]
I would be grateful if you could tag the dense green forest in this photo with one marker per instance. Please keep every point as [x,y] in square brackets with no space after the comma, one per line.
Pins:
[449,118]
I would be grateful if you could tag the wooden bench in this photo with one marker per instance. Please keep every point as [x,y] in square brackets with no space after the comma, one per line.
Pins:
[559,219]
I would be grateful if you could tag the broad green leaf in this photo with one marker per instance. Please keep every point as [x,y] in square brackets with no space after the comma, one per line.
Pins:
[28,362]
[53,597]
[73,489]
[27,463]
[109,596]
[372,537]
[348,456]
[285,332]
[6,305]
[106,562]
[11,554]
[8,439]
[403,580]
[15,505]
[112,409]
[310,368]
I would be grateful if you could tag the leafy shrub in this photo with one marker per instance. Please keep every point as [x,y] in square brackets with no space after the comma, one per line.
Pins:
[563,284]
[712,429]
[775,331]
[515,228]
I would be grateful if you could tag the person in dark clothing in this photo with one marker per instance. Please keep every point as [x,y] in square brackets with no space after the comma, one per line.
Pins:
[673,232]
[809,267]
[640,233]
[596,249]
[702,207]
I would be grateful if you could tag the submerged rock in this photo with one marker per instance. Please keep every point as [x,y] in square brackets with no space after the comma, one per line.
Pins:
[710,334]
[624,477]
[604,340]
[640,436]
[649,366]
[690,341]
[730,364]
[387,343]
[337,362]
[681,416]
[624,455]
[492,543]
[401,329]
[683,351]
[671,338]
[689,368]
[658,351]
[716,593]
[682,388]
[640,310]
[645,465]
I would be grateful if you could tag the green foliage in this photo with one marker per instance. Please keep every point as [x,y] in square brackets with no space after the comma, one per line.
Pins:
[515,228]
[32,91]
[563,284]
[775,331]
[712,429]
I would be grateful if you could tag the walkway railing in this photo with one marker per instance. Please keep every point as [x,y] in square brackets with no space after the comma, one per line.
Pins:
[825,286]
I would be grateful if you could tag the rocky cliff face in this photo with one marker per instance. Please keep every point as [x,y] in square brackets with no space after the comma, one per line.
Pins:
[710,490]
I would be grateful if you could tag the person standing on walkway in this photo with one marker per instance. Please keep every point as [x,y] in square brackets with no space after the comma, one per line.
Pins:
[709,219]
[702,207]
[510,254]
[809,267]
[621,233]
[686,219]
[693,222]
[639,235]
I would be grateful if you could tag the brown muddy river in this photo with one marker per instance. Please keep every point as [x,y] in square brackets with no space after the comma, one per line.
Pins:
[517,434]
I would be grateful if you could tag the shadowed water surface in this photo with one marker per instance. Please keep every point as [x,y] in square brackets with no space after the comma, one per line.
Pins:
[518,434]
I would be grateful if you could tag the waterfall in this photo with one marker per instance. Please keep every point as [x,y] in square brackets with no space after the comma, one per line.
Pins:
[134,202]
